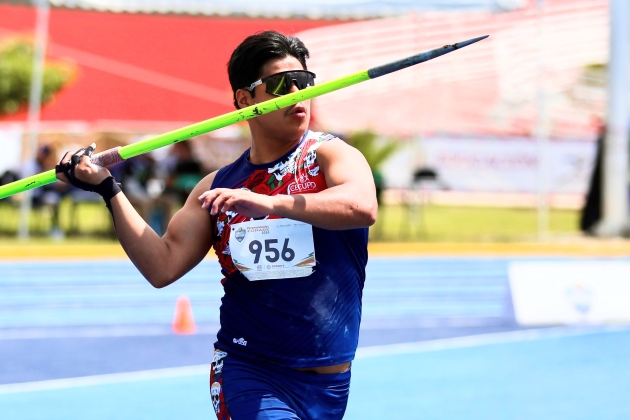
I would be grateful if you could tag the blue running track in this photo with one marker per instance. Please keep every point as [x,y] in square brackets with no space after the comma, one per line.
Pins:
[92,340]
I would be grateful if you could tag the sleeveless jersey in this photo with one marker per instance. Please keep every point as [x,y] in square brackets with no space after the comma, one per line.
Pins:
[296,322]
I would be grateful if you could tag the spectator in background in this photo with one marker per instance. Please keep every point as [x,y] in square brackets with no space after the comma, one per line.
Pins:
[184,171]
[49,195]
[8,177]
[134,175]
[178,174]
[181,171]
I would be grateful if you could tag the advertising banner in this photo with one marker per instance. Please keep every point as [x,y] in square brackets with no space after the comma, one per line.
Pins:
[570,292]
[509,165]
[496,164]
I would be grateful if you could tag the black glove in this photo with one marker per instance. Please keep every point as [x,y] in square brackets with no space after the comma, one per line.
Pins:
[107,189]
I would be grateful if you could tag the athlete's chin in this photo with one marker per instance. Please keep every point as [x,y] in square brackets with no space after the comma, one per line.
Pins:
[295,124]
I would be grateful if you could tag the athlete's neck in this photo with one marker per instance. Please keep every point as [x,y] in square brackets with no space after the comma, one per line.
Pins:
[265,150]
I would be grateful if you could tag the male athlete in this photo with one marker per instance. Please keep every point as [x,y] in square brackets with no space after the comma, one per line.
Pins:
[288,221]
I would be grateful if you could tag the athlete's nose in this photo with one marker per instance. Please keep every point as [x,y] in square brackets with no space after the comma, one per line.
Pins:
[294,87]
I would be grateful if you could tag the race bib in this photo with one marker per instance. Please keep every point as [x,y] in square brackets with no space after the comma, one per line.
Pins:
[273,249]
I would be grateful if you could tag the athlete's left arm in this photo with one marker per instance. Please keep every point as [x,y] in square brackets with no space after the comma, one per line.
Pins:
[348,202]
[350,199]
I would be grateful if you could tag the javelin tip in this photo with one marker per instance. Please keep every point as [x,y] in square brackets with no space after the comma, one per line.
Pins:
[379,71]
[470,41]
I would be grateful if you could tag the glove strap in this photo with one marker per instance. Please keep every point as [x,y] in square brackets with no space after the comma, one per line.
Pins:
[108,188]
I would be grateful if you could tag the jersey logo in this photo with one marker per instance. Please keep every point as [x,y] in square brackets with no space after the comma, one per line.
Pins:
[307,186]
[239,234]
[240,341]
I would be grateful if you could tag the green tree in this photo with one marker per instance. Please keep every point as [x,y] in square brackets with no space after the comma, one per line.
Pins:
[376,151]
[16,68]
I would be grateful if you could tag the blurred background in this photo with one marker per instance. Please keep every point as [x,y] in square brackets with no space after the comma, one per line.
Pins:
[498,142]
[497,285]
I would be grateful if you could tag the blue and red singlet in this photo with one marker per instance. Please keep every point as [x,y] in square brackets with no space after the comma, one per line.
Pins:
[297,322]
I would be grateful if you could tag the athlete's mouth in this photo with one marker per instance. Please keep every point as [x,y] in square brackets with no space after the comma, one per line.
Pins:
[297,109]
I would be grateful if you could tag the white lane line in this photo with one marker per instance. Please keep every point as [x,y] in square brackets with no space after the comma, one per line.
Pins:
[362,353]
[112,378]
[485,339]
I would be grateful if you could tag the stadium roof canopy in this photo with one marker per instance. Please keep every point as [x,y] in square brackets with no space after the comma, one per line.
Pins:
[315,9]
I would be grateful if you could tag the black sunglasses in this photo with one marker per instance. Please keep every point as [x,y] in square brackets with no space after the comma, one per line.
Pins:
[281,83]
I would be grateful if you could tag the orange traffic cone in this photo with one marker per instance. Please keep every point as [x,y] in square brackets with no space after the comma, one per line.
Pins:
[183,323]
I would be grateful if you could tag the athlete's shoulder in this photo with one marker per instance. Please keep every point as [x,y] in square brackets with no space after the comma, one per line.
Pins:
[206,181]
[319,136]
[315,140]
[329,143]
[232,171]
[337,150]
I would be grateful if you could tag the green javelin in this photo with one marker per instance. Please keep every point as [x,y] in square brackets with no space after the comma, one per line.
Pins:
[244,114]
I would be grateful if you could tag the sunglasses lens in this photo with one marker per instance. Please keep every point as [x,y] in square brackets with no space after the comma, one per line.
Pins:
[303,80]
[280,84]
[277,84]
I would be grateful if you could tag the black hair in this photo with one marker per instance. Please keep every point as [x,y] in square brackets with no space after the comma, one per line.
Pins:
[247,60]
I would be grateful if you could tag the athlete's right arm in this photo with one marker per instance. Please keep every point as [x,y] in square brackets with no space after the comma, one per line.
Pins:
[187,241]
[161,260]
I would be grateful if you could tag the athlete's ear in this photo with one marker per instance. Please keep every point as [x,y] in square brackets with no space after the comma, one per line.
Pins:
[244,98]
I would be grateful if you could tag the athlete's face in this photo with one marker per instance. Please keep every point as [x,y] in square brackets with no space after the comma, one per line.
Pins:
[286,123]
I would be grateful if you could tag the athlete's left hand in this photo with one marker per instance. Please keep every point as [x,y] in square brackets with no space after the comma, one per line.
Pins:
[244,202]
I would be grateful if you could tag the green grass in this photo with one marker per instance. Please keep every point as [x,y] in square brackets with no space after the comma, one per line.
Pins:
[468,224]
[91,221]
[87,219]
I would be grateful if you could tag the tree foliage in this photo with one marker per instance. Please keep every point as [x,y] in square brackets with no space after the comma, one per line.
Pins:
[375,149]
[16,68]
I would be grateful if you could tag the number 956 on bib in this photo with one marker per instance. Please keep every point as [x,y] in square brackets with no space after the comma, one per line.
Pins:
[272,249]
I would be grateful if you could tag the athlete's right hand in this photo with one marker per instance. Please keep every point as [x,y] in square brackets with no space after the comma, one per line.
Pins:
[242,201]
[77,169]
